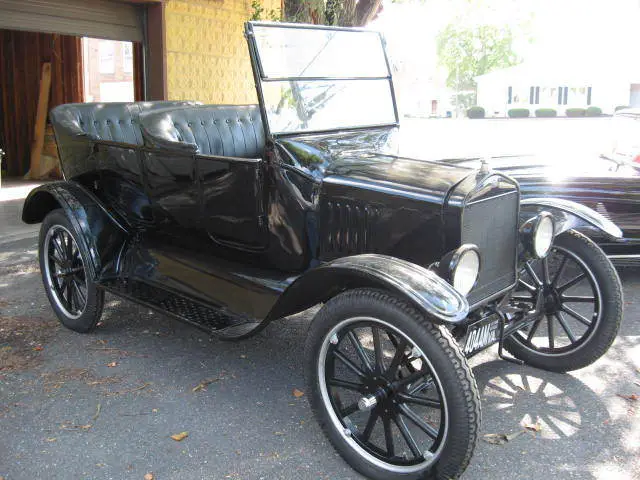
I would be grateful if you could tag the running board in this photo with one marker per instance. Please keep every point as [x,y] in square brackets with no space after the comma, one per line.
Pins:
[211,319]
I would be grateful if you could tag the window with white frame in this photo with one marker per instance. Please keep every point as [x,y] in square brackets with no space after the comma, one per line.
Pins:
[106,57]
[127,57]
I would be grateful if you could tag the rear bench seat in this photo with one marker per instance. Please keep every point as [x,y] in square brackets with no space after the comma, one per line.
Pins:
[118,122]
[217,130]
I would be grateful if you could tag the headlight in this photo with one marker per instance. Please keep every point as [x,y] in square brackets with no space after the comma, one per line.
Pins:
[461,267]
[537,234]
[543,235]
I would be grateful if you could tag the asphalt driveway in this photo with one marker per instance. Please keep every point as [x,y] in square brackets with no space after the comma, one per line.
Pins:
[104,405]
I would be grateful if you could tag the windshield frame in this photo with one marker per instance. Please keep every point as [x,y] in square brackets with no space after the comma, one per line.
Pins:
[260,77]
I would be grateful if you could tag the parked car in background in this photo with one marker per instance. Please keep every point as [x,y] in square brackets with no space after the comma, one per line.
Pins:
[625,142]
[604,184]
[232,216]
[608,183]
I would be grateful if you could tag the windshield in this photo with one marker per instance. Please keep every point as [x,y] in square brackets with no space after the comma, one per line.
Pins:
[317,79]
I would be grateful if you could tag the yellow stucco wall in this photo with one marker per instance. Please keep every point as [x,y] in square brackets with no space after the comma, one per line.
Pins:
[207,56]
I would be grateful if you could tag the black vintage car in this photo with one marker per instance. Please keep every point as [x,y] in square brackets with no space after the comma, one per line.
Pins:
[229,217]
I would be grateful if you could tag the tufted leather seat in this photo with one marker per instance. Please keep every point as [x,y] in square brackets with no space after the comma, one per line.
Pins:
[117,121]
[219,130]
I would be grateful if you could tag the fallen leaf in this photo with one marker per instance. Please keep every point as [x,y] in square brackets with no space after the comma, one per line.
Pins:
[634,397]
[38,348]
[243,356]
[278,433]
[112,364]
[534,427]
[52,439]
[122,392]
[297,393]
[97,414]
[501,438]
[79,427]
[203,384]
[178,437]
[148,476]
[154,410]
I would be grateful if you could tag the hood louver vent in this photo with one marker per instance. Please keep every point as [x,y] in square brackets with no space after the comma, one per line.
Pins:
[347,228]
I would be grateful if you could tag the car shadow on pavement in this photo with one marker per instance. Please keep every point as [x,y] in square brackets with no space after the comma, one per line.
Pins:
[556,425]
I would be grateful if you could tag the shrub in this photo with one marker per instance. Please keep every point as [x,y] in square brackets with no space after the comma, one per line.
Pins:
[593,112]
[518,113]
[621,107]
[546,112]
[475,112]
[576,112]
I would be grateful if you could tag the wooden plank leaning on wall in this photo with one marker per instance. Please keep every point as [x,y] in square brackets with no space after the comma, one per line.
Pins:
[21,58]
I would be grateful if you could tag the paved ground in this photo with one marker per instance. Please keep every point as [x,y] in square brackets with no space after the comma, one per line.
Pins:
[65,413]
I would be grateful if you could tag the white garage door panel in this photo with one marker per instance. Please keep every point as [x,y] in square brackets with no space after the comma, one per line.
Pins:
[93,18]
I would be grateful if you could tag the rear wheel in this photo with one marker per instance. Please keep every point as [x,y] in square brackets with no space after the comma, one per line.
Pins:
[391,390]
[73,295]
[582,297]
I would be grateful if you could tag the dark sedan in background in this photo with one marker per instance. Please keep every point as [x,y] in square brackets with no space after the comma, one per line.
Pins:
[609,183]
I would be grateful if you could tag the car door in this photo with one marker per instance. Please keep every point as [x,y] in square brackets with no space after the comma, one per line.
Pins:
[232,211]
[172,187]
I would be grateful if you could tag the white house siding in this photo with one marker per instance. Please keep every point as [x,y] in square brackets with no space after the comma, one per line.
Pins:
[607,88]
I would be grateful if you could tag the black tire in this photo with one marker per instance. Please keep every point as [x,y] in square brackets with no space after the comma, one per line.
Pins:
[593,339]
[75,298]
[442,369]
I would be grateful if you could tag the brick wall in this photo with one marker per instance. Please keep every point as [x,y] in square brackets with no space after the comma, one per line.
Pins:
[207,56]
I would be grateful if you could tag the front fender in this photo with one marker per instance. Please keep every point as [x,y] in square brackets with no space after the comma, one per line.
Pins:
[100,232]
[428,292]
[569,215]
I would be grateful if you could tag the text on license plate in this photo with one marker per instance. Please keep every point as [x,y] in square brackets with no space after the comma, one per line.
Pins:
[481,335]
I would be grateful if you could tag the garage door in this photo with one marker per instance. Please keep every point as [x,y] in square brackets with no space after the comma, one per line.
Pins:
[93,18]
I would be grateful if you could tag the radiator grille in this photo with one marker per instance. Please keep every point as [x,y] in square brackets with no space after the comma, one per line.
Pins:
[492,224]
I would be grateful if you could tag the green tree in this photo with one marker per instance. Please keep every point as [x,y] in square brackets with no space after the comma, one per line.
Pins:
[467,52]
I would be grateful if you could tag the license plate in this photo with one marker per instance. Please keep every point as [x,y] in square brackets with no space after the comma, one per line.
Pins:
[481,334]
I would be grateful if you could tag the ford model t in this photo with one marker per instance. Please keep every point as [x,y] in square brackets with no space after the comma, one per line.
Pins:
[230,217]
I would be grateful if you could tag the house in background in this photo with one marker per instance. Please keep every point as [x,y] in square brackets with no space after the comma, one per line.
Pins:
[108,70]
[558,85]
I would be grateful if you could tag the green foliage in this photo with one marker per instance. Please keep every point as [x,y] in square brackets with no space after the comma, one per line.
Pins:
[467,52]
[575,112]
[464,100]
[546,113]
[259,13]
[621,107]
[518,113]
[475,112]
[593,112]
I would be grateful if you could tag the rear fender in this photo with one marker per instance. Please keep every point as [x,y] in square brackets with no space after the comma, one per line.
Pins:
[569,215]
[102,235]
[428,292]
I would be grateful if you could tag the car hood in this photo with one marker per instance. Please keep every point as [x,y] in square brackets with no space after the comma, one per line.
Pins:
[371,157]
[383,155]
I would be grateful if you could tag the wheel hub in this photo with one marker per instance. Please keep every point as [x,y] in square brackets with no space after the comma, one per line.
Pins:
[552,300]
[379,391]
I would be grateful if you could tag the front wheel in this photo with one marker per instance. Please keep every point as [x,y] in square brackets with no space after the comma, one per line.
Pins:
[582,297]
[391,390]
